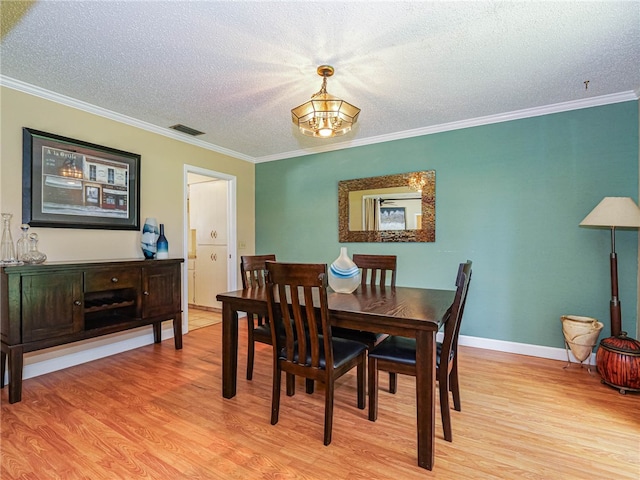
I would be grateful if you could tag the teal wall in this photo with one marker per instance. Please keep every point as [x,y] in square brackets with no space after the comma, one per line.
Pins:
[509,196]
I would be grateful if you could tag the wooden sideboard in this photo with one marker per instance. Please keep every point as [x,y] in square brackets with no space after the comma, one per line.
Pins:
[58,303]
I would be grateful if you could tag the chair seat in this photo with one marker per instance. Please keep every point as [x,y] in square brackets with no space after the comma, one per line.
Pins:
[401,350]
[262,333]
[368,338]
[343,351]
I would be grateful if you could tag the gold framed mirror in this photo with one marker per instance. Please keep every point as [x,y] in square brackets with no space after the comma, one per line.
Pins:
[389,208]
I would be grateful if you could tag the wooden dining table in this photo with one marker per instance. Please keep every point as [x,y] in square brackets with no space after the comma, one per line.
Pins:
[407,311]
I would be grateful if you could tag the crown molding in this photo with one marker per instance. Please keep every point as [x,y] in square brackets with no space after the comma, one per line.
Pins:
[118,117]
[631,95]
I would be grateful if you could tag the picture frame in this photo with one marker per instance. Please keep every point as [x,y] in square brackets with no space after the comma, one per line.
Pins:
[68,183]
[392,218]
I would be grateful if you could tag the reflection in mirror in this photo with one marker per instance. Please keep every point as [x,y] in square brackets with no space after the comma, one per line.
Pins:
[390,208]
[395,208]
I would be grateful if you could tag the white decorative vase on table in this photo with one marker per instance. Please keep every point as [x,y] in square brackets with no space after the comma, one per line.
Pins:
[344,275]
[149,237]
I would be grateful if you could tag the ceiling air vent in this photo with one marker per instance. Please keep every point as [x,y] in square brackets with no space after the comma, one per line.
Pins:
[188,130]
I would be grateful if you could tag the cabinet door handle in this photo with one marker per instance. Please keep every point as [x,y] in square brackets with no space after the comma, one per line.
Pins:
[214,257]
[77,303]
[114,279]
[145,293]
[215,234]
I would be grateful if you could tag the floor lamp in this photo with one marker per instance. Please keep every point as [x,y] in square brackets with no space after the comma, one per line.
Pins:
[614,212]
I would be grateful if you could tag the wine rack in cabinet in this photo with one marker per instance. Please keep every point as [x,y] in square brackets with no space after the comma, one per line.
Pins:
[58,303]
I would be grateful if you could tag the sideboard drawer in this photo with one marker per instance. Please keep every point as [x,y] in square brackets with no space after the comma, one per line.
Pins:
[99,280]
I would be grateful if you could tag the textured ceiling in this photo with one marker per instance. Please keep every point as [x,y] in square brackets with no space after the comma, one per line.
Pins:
[234,70]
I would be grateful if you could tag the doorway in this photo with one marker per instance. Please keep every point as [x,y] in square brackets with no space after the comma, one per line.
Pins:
[209,244]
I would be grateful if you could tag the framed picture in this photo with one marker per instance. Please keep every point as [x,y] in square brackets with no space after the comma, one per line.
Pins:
[68,183]
[392,218]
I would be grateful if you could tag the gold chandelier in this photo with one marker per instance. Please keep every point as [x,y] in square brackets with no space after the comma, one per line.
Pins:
[325,115]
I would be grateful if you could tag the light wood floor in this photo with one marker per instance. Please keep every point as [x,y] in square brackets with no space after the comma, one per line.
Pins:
[199,318]
[157,413]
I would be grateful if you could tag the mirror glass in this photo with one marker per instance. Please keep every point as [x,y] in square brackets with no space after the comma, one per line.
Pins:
[390,208]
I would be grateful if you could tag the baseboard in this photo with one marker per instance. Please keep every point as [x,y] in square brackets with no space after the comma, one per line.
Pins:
[64,356]
[552,353]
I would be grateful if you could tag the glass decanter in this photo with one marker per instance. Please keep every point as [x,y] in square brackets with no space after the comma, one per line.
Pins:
[22,245]
[7,252]
[33,256]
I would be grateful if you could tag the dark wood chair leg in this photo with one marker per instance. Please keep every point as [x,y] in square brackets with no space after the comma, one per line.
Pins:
[291,385]
[443,386]
[455,385]
[373,389]
[328,412]
[309,385]
[251,349]
[393,382]
[362,387]
[275,396]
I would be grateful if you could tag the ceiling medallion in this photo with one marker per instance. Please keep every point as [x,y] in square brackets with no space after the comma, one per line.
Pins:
[324,115]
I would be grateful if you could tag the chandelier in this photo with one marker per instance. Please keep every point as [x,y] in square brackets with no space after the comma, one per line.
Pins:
[325,115]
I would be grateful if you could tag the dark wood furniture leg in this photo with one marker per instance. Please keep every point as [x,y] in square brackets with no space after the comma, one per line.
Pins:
[177,331]
[15,373]
[157,332]
[229,350]
[3,367]
[425,396]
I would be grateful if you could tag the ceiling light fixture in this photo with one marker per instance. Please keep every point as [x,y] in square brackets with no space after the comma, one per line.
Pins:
[324,115]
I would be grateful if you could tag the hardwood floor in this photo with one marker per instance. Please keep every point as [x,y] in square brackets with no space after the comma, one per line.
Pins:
[158,413]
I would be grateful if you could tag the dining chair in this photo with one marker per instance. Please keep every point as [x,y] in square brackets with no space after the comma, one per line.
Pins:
[398,354]
[308,348]
[253,271]
[375,270]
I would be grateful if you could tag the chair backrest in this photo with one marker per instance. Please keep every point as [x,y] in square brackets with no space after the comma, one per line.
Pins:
[454,319]
[464,268]
[375,268]
[253,269]
[291,289]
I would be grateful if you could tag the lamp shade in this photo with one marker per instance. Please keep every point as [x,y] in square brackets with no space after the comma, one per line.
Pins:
[614,212]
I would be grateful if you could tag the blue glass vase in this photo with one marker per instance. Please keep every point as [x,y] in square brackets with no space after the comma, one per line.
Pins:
[149,238]
[162,245]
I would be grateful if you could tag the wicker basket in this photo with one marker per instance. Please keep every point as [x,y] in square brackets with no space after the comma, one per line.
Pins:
[580,334]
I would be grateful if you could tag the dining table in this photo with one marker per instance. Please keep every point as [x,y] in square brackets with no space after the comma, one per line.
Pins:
[407,311]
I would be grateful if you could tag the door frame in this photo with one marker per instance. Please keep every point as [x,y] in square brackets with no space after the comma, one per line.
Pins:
[232,253]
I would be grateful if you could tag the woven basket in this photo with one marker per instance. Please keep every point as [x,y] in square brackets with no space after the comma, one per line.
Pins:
[581,334]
